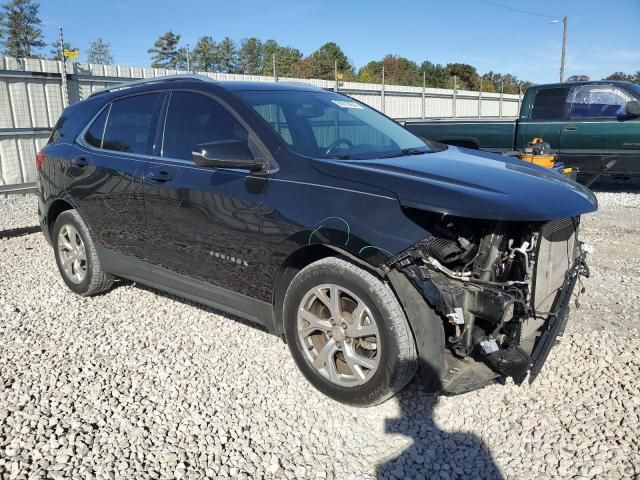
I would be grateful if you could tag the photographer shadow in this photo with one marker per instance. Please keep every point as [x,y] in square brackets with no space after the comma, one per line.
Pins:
[434,453]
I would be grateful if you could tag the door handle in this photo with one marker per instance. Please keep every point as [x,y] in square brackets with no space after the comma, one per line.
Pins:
[160,177]
[80,162]
[570,129]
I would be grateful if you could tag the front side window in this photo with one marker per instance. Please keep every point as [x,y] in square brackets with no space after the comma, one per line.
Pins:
[550,104]
[598,101]
[194,119]
[328,125]
[131,125]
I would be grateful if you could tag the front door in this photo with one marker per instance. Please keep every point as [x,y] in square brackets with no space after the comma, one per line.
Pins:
[598,134]
[204,222]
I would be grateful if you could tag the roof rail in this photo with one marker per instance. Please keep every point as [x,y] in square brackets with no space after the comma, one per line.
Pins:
[145,81]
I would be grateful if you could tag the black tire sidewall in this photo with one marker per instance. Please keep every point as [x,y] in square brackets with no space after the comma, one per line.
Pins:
[382,380]
[68,218]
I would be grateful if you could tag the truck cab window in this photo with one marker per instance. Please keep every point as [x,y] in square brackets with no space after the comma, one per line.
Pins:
[550,104]
[598,101]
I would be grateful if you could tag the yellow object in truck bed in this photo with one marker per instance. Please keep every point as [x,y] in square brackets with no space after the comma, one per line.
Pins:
[547,161]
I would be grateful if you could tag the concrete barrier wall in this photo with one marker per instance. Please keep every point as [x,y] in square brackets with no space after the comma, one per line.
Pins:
[32,99]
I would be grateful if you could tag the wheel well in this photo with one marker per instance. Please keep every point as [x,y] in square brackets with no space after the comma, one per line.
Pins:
[296,262]
[56,208]
[462,143]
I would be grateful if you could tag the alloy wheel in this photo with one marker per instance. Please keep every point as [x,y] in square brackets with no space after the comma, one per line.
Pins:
[339,335]
[72,253]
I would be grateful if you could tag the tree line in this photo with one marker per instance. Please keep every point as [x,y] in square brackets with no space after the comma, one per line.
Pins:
[21,36]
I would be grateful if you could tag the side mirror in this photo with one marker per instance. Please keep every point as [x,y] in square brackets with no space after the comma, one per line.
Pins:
[632,108]
[225,154]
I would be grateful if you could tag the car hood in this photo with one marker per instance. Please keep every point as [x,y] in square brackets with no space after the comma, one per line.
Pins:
[470,183]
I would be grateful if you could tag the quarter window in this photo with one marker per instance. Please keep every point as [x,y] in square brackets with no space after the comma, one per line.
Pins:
[598,101]
[94,134]
[131,124]
[550,104]
[194,119]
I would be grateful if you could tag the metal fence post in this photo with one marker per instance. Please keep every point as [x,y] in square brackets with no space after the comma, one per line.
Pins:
[480,100]
[501,94]
[273,62]
[455,94]
[382,91]
[424,95]
[63,74]
[519,98]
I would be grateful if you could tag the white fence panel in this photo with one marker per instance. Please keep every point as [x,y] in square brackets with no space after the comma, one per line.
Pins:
[31,101]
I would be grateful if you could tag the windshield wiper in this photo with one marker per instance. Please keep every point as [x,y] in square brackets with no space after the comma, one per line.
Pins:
[345,157]
[407,151]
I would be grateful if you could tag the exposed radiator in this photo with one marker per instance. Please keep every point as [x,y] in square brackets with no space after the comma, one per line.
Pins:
[557,252]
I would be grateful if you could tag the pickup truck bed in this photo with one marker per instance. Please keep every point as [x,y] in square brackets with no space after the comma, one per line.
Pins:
[494,135]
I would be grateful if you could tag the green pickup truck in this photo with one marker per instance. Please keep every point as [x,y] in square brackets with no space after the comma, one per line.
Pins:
[594,126]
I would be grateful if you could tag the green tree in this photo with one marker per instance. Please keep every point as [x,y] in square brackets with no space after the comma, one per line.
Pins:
[397,71]
[165,51]
[578,78]
[436,76]
[99,52]
[183,59]
[204,55]
[322,62]
[55,53]
[286,59]
[226,55]
[467,76]
[619,76]
[250,57]
[20,30]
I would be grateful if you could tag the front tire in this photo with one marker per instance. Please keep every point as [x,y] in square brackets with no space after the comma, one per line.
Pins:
[348,334]
[76,256]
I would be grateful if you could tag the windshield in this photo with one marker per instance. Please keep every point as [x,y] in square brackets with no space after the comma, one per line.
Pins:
[328,125]
[635,88]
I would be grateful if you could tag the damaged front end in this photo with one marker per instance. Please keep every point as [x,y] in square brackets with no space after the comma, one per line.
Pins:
[502,290]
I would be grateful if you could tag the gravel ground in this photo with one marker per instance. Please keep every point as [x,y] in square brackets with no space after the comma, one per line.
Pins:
[137,384]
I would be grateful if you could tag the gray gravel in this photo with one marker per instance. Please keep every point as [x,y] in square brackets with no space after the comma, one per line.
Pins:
[139,384]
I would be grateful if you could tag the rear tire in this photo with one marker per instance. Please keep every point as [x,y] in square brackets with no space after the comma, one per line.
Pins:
[76,256]
[360,350]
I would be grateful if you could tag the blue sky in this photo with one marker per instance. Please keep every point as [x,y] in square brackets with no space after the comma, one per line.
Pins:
[602,36]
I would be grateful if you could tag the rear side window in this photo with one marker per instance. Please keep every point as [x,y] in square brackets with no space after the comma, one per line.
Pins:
[194,119]
[132,123]
[94,134]
[550,104]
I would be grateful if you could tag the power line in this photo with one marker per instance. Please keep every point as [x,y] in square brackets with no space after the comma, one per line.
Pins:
[496,4]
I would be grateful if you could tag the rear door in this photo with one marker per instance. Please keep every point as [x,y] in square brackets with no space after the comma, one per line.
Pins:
[598,132]
[204,222]
[105,175]
[546,117]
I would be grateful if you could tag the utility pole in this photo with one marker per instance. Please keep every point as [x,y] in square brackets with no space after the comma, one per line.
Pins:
[188,59]
[335,75]
[565,21]
[63,74]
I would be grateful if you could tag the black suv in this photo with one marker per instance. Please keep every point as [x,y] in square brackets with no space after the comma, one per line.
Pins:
[371,252]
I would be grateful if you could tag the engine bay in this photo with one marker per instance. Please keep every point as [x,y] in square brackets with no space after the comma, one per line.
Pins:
[498,286]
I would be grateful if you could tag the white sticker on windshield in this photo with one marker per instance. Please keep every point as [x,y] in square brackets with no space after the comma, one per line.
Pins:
[347,104]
